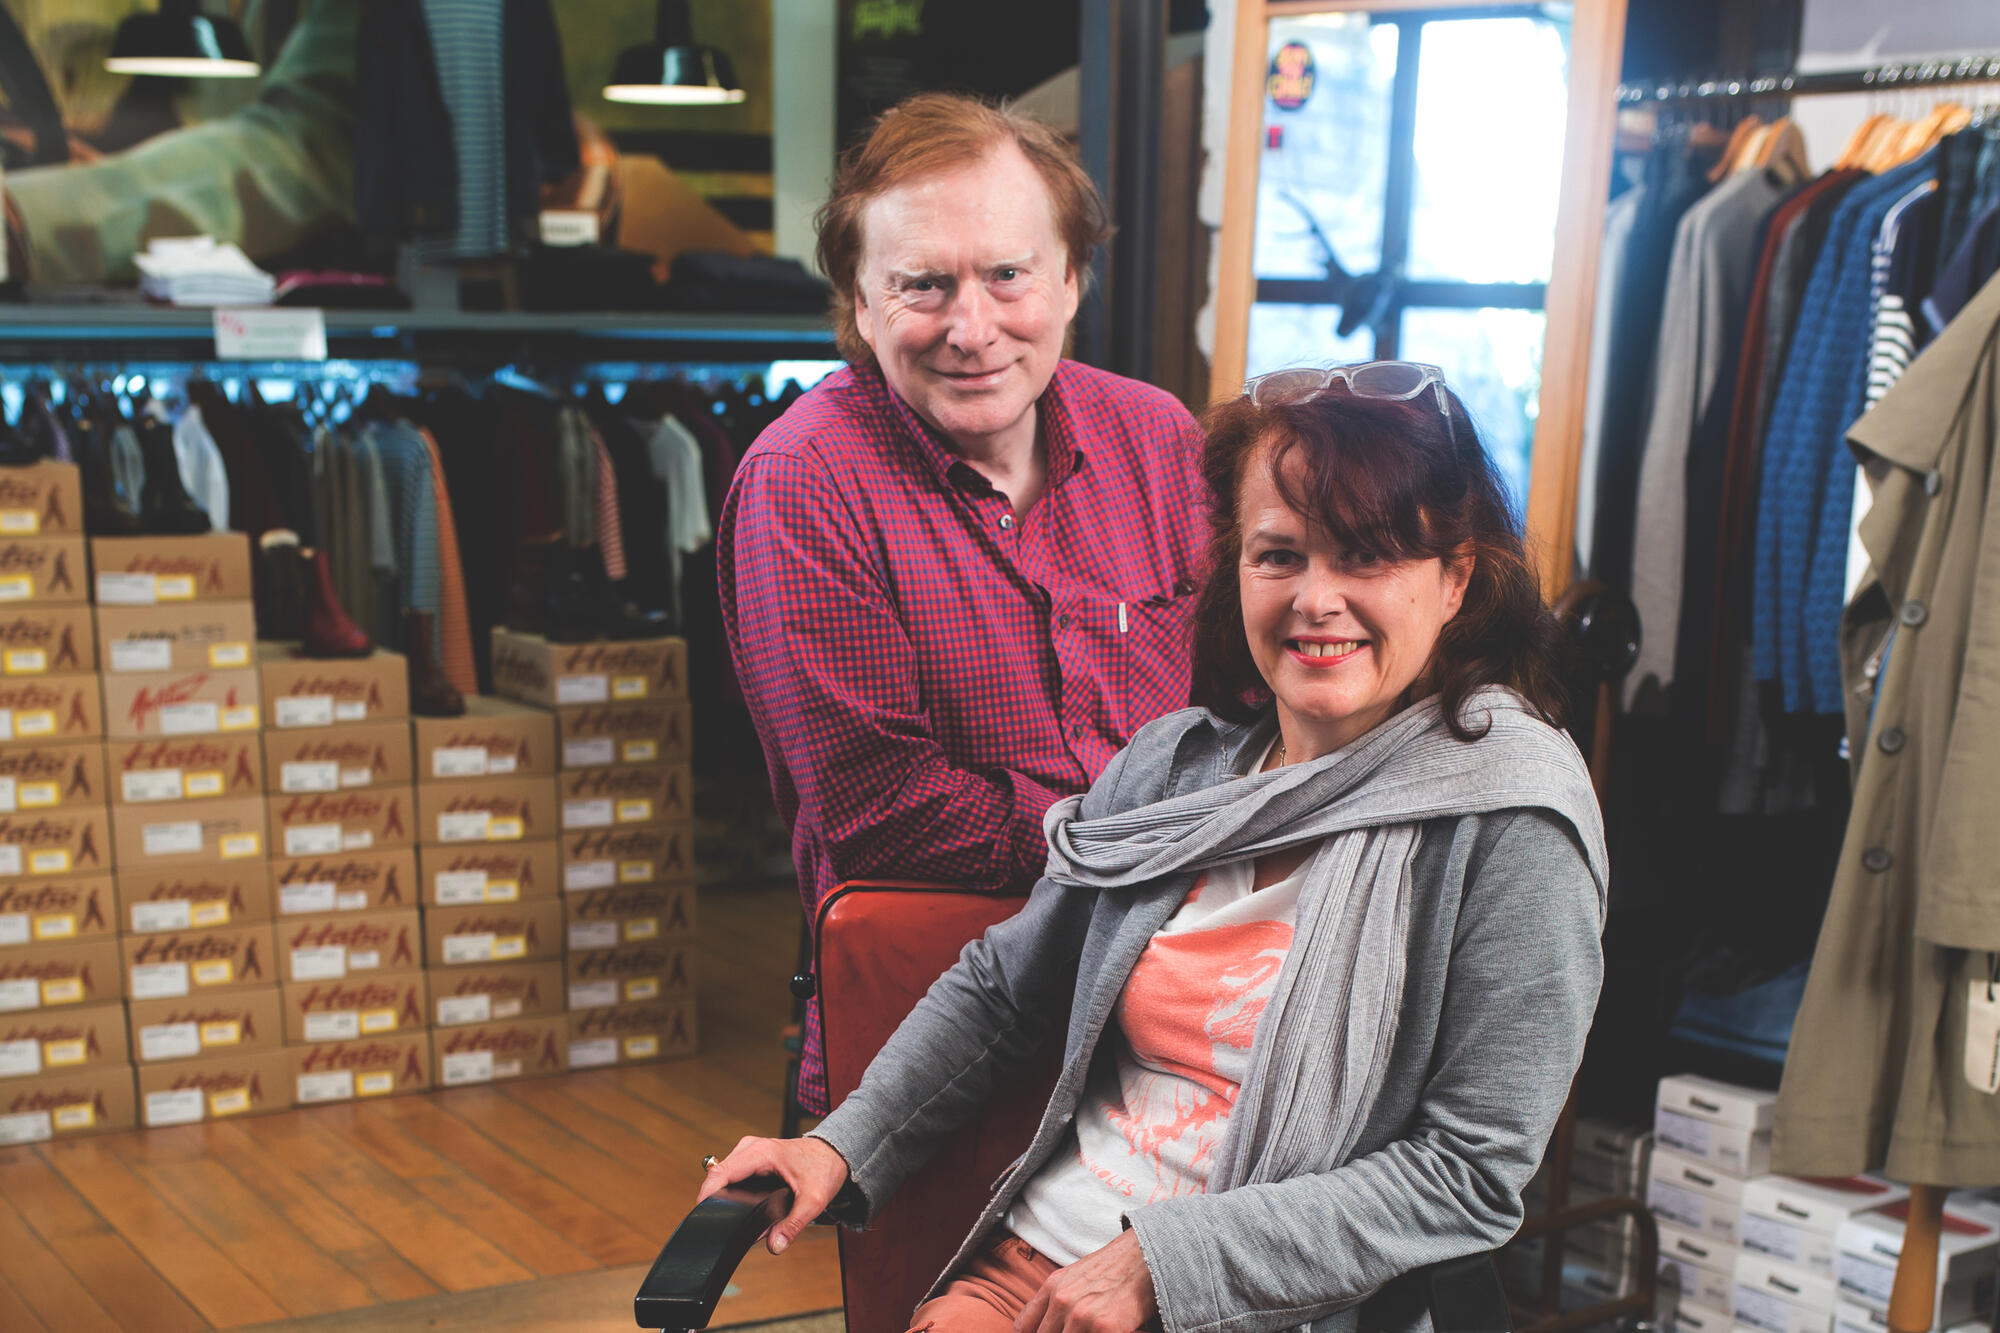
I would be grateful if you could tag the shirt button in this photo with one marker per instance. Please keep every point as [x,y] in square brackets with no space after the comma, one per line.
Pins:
[1891,740]
[1877,859]
[1076,732]
[1006,520]
[1914,613]
[1064,621]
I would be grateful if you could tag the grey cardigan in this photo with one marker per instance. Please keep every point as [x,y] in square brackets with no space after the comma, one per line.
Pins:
[1503,975]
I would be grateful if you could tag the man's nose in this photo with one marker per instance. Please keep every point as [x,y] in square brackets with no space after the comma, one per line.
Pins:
[972,317]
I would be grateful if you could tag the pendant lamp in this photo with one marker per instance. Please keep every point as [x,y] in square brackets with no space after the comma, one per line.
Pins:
[671,70]
[181,42]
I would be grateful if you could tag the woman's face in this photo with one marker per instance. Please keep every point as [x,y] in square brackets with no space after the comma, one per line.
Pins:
[1338,635]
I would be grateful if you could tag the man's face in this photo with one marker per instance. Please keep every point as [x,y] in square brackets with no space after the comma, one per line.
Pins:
[964,294]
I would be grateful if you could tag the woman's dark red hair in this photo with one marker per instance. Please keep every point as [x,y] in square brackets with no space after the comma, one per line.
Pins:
[1401,482]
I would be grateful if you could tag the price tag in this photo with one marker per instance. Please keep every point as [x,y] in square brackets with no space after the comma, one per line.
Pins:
[582,876]
[356,777]
[324,963]
[174,587]
[25,661]
[458,1009]
[125,590]
[17,588]
[358,841]
[586,814]
[55,926]
[55,861]
[28,523]
[628,687]
[317,896]
[593,935]
[594,689]
[355,710]
[270,333]
[175,914]
[163,785]
[590,754]
[375,1083]
[469,948]
[198,785]
[169,1041]
[159,981]
[635,812]
[183,1106]
[305,710]
[242,717]
[190,719]
[643,1047]
[635,872]
[642,928]
[600,1051]
[509,947]
[503,890]
[641,752]
[463,761]
[20,1058]
[80,1115]
[63,990]
[214,912]
[459,888]
[364,960]
[226,656]
[467,1067]
[351,900]
[222,1032]
[501,763]
[642,988]
[214,972]
[176,839]
[342,1026]
[21,994]
[375,1022]
[507,829]
[42,722]
[312,840]
[39,795]
[141,654]
[236,845]
[464,826]
[568,226]
[25,1127]
[593,994]
[63,1054]
[229,1101]
[337,1086]
[510,1008]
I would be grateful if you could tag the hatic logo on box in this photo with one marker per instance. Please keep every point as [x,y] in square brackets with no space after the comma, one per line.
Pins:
[616,782]
[500,985]
[18,559]
[505,1042]
[515,665]
[348,754]
[47,1029]
[221,1081]
[147,701]
[628,720]
[364,806]
[491,742]
[51,831]
[608,903]
[334,1056]
[500,865]
[669,1019]
[207,946]
[494,804]
[243,1016]
[20,969]
[36,632]
[340,687]
[46,1098]
[208,572]
[620,659]
[631,962]
[17,492]
[35,764]
[55,896]
[340,995]
[357,935]
[199,890]
[481,924]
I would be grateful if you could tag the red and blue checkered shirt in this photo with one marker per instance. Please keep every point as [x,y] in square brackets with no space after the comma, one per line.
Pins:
[928,675]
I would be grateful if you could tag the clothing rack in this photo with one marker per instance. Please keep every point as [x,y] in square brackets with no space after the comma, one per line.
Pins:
[1876,79]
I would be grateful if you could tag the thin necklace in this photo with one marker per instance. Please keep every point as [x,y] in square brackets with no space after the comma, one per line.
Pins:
[1280,754]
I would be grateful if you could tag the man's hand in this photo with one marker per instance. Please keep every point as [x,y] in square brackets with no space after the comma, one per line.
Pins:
[810,1166]
[1109,1291]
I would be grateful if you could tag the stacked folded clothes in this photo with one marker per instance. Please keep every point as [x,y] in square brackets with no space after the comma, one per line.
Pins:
[195,270]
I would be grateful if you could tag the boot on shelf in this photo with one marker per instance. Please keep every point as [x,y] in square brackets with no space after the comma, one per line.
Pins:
[280,586]
[328,630]
[431,695]
[165,507]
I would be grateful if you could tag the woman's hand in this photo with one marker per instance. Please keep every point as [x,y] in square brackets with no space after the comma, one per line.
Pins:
[811,1167]
[1108,1291]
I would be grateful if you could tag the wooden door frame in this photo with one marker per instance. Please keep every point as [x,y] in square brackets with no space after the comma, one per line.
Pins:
[1597,39]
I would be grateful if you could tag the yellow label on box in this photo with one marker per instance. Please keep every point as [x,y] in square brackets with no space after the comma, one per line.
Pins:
[378,1020]
[19,523]
[54,861]
[64,990]
[55,927]
[17,588]
[174,587]
[214,972]
[641,752]
[504,830]
[194,786]
[628,687]
[69,1051]
[242,717]
[642,1048]
[374,1083]
[509,946]
[38,795]
[241,844]
[214,912]
[25,661]
[643,928]
[503,890]
[634,812]
[635,872]
[226,1032]
[642,988]
[230,1101]
[78,1115]
[41,722]
[226,655]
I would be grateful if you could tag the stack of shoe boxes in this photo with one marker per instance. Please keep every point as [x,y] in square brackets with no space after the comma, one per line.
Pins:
[64,1061]
[1869,1244]
[622,727]
[491,870]
[1787,1232]
[344,874]
[1606,1160]
[1709,1138]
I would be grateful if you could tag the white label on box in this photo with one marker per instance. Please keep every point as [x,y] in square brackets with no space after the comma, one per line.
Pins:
[635,812]
[317,896]
[583,689]
[159,981]
[501,763]
[6,724]
[55,927]
[628,687]
[365,960]
[183,1106]
[507,1008]
[27,523]
[591,753]
[468,948]
[41,722]
[190,718]
[586,814]
[1681,1131]
[312,840]
[642,1048]
[142,655]
[353,710]
[164,785]
[503,890]
[642,928]
[356,777]
[25,1127]
[127,589]
[458,888]
[459,761]
[305,777]
[468,1067]
[1765,1235]
[568,226]
[1678,1205]
[305,710]
[39,795]
[241,717]
[20,1057]
[337,1086]
[593,994]
[342,1026]
[465,1009]
[579,876]
[635,872]
[14,928]
[640,752]
[351,900]
[176,839]
[584,1054]
[53,862]
[1864,1278]
[17,587]
[327,962]
[1760,1309]
[7,800]
[358,841]
[176,914]
[593,935]
[22,994]
[170,1041]
[464,826]
[270,333]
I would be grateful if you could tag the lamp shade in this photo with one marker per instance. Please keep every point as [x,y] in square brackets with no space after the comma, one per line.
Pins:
[671,70]
[178,42]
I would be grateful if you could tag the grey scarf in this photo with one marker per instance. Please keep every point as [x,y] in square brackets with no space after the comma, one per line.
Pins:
[1322,1048]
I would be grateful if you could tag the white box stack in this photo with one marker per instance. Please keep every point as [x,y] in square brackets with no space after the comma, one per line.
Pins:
[1709,1138]
[1868,1245]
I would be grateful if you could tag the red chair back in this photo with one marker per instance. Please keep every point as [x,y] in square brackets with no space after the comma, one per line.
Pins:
[880,946]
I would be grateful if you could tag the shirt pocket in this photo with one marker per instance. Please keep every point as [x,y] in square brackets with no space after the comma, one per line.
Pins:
[1155,651]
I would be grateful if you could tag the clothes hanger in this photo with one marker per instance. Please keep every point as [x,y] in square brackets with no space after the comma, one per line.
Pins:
[1732,151]
[1784,152]
[1851,156]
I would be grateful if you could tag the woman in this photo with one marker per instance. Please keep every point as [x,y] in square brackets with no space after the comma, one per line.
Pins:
[1331,938]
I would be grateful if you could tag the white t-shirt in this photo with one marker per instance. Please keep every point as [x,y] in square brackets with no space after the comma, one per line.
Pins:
[1150,1119]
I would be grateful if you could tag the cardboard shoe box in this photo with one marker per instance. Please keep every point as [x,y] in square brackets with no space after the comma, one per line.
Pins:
[39,638]
[494,738]
[657,731]
[224,1023]
[341,1071]
[1795,1221]
[561,675]
[1870,1245]
[52,1041]
[54,911]
[489,992]
[304,691]
[177,637]
[381,881]
[40,570]
[92,1100]
[1700,1268]
[325,948]
[185,768]
[188,703]
[627,855]
[523,932]
[1690,1193]
[467,874]
[43,777]
[86,972]
[214,1087]
[355,1008]
[626,794]
[608,918]
[1778,1298]
[65,707]
[349,821]
[632,1034]
[492,810]
[515,1048]
[1610,1157]
[146,571]
[228,829]
[1726,1126]
[41,498]
[66,840]
[630,974]
[332,759]
[194,897]
[175,964]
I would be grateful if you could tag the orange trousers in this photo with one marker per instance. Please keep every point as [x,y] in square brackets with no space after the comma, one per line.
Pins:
[995,1285]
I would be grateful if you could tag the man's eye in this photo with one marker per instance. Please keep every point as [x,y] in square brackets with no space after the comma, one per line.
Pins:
[924,285]
[1008,274]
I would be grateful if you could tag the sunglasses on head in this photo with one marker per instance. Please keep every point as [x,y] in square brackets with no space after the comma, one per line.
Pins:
[1391,381]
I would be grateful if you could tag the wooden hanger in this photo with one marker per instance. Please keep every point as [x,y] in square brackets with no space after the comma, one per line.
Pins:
[1732,150]
[1784,151]
[1851,155]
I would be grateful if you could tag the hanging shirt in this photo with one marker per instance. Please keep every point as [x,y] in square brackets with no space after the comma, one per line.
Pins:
[202,473]
[468,45]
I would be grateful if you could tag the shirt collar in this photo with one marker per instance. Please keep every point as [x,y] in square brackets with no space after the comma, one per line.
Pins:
[1058,428]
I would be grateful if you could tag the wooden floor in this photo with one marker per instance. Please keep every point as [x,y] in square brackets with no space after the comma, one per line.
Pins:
[522,1206]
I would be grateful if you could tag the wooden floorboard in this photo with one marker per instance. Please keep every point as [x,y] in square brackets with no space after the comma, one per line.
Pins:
[41,1283]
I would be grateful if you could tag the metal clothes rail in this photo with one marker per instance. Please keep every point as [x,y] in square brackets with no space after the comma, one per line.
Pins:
[1875,79]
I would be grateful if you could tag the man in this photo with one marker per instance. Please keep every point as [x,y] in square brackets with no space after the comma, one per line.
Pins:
[956,574]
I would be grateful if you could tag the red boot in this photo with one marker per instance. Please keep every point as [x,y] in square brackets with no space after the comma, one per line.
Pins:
[328,630]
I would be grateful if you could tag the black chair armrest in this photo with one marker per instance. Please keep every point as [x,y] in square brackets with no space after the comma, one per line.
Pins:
[695,1265]
[1465,1296]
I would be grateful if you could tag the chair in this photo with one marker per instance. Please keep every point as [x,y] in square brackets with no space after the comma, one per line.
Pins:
[879,947]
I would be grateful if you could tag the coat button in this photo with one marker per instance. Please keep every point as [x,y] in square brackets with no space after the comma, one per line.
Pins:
[1933,482]
[1914,613]
[1892,740]
[1877,859]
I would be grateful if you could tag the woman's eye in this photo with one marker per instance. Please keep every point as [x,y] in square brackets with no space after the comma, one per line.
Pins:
[1362,559]
[1280,557]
